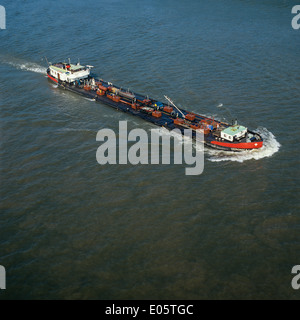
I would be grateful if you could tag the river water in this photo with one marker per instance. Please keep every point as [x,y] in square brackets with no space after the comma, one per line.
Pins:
[73,229]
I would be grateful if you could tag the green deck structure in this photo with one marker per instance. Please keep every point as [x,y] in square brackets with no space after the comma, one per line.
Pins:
[233,130]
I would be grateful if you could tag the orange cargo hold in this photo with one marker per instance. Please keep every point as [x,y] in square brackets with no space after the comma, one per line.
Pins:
[146,101]
[204,130]
[102,87]
[195,126]
[156,114]
[190,117]
[178,121]
[116,98]
[135,106]
[100,93]
[168,109]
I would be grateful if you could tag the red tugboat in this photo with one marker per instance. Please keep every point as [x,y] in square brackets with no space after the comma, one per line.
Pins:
[219,135]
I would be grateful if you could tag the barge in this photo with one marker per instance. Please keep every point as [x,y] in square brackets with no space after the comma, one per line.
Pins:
[220,135]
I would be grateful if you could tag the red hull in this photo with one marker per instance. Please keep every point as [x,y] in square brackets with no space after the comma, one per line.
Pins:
[246,145]
[53,79]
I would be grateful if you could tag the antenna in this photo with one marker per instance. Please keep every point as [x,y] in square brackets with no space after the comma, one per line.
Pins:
[173,104]
[69,60]
[47,61]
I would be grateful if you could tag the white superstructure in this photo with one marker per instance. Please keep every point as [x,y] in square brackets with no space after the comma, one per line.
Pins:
[233,132]
[69,72]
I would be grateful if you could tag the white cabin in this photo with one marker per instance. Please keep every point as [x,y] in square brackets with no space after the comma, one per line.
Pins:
[233,132]
[69,72]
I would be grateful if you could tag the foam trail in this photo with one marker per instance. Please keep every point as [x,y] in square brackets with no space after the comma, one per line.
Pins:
[28,66]
[270,146]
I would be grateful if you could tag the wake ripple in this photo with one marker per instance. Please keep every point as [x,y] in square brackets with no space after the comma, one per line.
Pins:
[28,66]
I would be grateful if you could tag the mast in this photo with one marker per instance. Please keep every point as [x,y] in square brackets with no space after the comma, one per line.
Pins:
[173,104]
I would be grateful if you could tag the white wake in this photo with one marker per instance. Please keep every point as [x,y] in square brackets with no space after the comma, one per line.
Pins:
[270,146]
[29,66]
